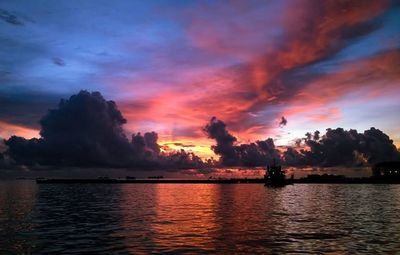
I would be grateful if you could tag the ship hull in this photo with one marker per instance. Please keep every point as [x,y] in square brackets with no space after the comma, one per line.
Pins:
[280,183]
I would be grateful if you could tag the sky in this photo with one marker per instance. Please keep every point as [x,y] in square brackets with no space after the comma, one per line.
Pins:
[172,65]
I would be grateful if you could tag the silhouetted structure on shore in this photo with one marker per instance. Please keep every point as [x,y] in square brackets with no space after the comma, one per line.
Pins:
[275,176]
[316,179]
[388,169]
[156,177]
[383,173]
[138,181]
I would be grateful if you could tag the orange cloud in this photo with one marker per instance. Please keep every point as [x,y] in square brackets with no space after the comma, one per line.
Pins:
[313,31]
[265,77]
[377,75]
[370,78]
[8,129]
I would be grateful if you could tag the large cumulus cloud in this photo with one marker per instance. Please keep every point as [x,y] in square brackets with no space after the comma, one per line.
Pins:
[216,129]
[84,130]
[339,147]
[253,154]
[87,130]
[2,149]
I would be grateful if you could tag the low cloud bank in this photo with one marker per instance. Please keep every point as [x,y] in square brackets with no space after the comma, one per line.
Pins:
[87,131]
[253,154]
[343,147]
[337,147]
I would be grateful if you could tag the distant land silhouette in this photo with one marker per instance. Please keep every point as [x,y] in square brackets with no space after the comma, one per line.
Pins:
[87,131]
[389,173]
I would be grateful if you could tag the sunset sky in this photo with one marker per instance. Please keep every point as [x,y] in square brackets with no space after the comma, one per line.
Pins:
[172,65]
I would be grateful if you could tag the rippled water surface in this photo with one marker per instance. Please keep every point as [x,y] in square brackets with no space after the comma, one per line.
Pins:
[198,218]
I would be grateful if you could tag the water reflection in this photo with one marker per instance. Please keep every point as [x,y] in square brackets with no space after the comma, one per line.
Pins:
[137,205]
[17,199]
[185,217]
[75,219]
[199,218]
[243,218]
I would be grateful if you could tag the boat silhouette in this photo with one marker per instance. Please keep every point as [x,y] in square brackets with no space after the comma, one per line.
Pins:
[276,177]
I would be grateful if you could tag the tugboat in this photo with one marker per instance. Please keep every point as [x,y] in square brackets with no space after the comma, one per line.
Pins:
[275,176]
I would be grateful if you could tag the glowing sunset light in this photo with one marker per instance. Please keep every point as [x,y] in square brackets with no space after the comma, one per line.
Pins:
[7,130]
[246,63]
[199,126]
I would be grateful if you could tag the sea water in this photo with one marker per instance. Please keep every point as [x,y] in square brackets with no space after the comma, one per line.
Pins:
[198,218]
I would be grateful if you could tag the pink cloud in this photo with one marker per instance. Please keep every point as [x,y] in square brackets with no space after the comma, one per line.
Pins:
[9,129]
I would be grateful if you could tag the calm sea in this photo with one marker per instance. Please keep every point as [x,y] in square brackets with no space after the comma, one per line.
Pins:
[197,219]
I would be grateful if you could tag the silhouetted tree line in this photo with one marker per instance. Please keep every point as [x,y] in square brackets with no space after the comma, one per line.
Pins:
[86,130]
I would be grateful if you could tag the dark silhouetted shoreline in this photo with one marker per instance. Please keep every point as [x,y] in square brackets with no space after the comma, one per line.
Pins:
[311,179]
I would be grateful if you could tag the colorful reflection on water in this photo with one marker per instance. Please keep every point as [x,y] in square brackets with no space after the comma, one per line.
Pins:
[198,218]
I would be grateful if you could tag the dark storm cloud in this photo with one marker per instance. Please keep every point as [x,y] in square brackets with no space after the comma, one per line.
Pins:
[292,157]
[2,145]
[2,149]
[27,151]
[83,130]
[138,145]
[182,159]
[151,139]
[339,147]
[3,163]
[87,130]
[259,153]
[253,154]
[142,60]
[216,129]
[146,149]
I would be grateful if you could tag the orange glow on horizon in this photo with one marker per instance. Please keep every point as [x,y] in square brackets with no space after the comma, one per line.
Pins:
[7,130]
[201,147]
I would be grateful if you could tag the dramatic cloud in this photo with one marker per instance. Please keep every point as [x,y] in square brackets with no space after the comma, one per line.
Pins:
[183,160]
[317,63]
[3,147]
[7,130]
[27,152]
[259,153]
[339,147]
[87,130]
[151,139]
[138,145]
[225,147]
[312,32]
[83,130]
[254,154]
[3,161]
